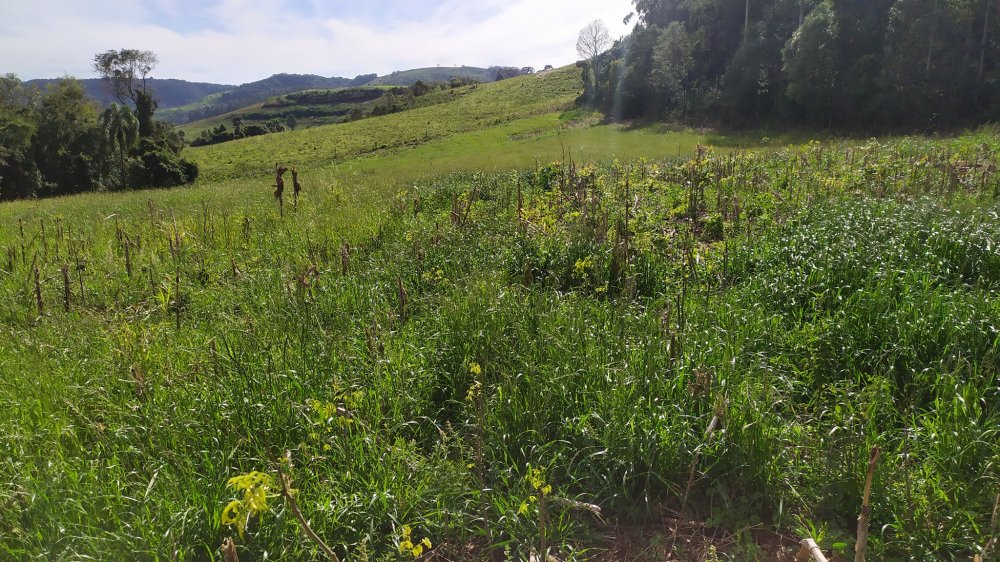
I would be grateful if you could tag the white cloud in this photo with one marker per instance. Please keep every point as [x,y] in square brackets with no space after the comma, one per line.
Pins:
[246,40]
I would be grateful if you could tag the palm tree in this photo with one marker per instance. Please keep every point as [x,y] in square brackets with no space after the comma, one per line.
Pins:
[120,129]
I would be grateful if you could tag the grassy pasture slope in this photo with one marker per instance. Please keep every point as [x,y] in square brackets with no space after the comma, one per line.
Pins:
[822,299]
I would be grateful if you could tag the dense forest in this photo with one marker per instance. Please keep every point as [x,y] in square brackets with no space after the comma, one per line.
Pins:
[169,92]
[845,64]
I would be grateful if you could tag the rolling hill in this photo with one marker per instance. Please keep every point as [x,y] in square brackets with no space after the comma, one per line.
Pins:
[255,92]
[447,112]
[435,74]
[169,92]
[182,102]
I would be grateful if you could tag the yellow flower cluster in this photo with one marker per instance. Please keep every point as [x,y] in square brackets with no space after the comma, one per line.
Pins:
[332,414]
[535,479]
[256,488]
[474,391]
[407,546]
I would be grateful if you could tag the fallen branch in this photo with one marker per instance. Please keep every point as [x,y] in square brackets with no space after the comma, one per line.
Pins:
[810,550]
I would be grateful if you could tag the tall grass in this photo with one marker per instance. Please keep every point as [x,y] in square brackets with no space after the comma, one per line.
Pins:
[817,300]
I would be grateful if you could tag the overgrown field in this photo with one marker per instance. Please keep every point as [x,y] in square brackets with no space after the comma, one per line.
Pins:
[502,352]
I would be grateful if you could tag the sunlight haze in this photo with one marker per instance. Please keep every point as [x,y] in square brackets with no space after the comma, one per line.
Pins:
[238,41]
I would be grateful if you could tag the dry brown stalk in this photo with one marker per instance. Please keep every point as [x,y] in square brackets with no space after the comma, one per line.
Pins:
[468,205]
[66,290]
[286,488]
[38,291]
[712,427]
[229,551]
[861,546]
[140,382]
[994,525]
[345,258]
[279,184]
[177,296]
[296,186]
[455,213]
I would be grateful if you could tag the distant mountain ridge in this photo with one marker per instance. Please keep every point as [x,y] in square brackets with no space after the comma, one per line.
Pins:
[257,92]
[182,102]
[446,73]
[169,92]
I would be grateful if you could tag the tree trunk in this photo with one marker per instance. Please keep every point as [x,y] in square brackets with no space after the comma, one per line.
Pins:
[746,22]
[930,43]
[121,151]
[982,46]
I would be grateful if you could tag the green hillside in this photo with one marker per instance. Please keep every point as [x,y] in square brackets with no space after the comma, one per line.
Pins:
[494,325]
[252,93]
[435,74]
[461,110]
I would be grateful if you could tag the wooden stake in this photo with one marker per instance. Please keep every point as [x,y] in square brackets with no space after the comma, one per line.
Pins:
[866,509]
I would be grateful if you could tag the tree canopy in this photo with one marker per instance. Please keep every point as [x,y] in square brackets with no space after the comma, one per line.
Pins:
[125,72]
[861,64]
[58,141]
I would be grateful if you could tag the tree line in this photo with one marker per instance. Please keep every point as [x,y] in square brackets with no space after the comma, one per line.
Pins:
[59,141]
[850,64]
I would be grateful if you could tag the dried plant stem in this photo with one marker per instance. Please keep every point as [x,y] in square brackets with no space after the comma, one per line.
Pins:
[542,521]
[229,551]
[128,256]
[79,277]
[712,427]
[66,287]
[306,529]
[177,296]
[994,525]
[38,291]
[861,546]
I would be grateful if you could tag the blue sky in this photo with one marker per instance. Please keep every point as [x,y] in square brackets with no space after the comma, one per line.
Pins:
[237,41]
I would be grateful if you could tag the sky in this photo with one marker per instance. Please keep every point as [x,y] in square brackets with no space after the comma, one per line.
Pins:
[239,41]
